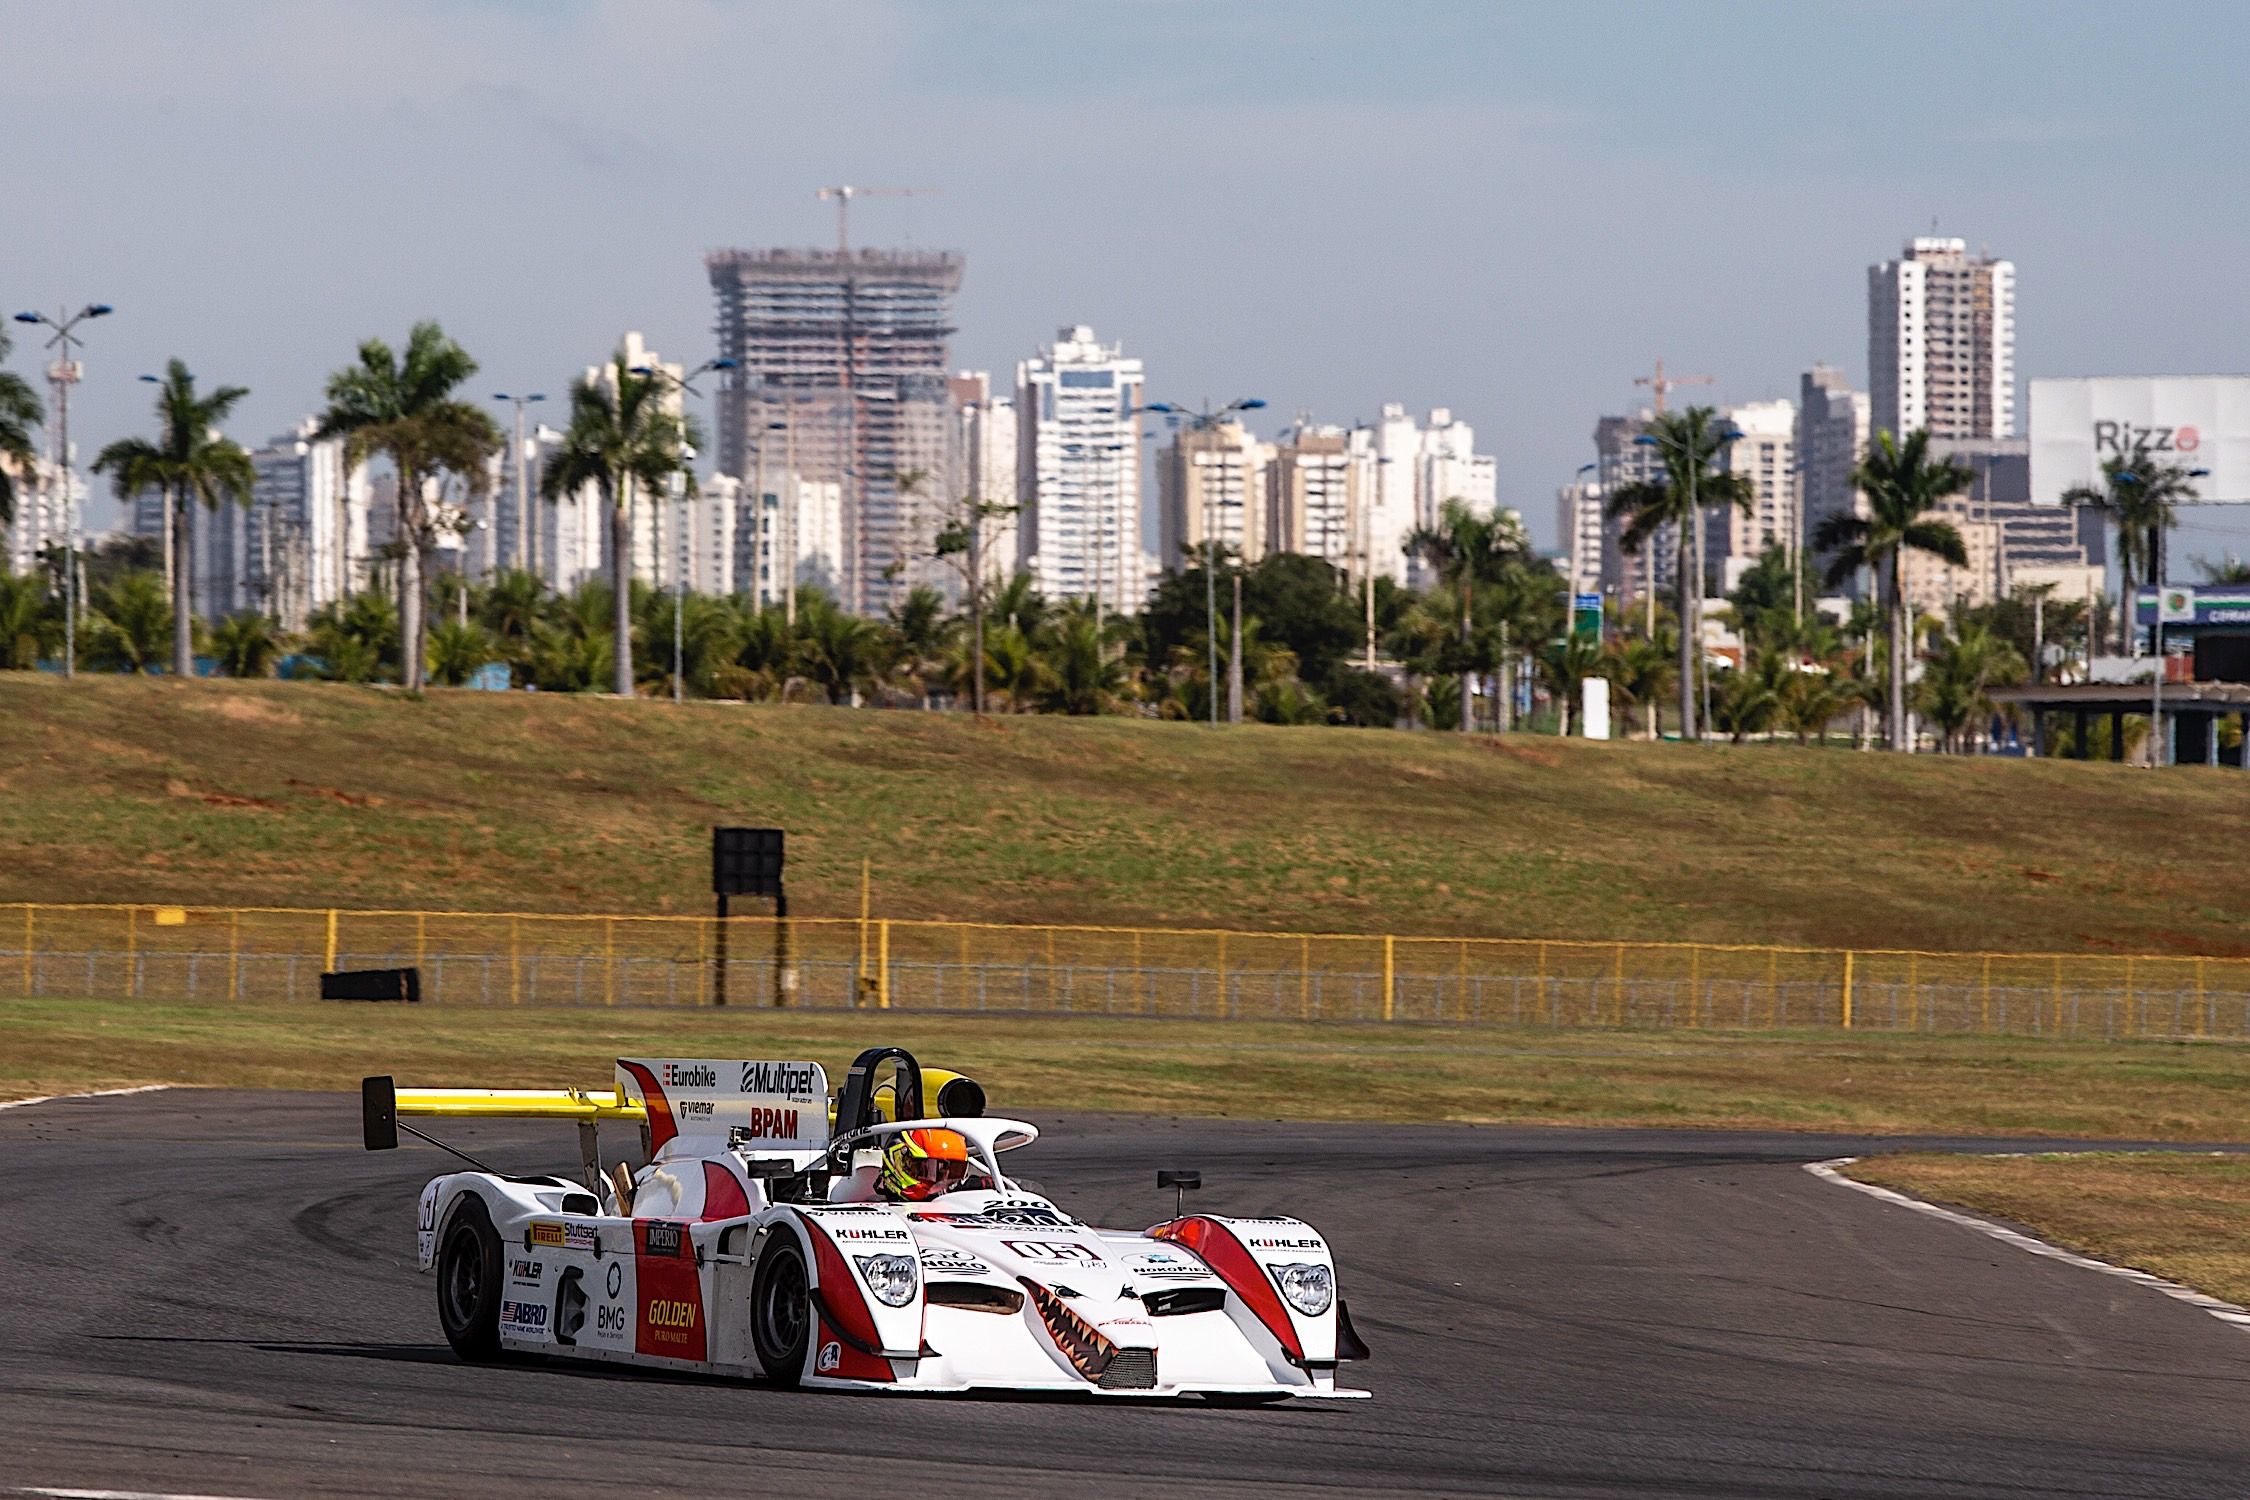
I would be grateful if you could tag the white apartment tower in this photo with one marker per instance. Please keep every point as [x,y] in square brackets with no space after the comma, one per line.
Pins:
[1078,470]
[1941,342]
[982,463]
[1766,454]
[305,540]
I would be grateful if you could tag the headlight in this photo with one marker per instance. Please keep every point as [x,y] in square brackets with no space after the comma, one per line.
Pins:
[891,1278]
[1309,1288]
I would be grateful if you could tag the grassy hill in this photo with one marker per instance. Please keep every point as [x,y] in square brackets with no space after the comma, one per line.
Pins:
[117,789]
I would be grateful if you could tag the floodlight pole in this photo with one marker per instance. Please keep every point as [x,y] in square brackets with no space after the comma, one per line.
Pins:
[61,376]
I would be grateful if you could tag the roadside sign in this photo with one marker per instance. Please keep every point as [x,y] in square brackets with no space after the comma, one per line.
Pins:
[2175,604]
[1586,616]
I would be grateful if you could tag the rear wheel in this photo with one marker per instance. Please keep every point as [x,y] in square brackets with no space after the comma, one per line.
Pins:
[781,1310]
[468,1282]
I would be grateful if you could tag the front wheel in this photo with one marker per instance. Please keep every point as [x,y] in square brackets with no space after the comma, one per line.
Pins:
[781,1311]
[468,1282]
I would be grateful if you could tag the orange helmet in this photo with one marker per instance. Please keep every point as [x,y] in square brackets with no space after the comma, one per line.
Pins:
[921,1164]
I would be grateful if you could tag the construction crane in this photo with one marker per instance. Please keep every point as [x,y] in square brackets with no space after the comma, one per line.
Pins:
[1663,384]
[844,197]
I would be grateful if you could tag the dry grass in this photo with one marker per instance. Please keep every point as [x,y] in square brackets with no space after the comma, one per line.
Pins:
[118,789]
[2185,1218]
[1966,1086]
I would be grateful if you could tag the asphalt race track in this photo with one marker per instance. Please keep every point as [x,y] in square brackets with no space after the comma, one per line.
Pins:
[213,1293]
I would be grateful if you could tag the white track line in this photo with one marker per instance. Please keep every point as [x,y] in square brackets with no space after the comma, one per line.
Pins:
[53,1494]
[144,1088]
[2225,1312]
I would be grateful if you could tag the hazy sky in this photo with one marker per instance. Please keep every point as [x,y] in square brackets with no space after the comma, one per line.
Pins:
[1508,209]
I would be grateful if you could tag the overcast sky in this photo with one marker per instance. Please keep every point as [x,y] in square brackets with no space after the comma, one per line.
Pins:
[1510,210]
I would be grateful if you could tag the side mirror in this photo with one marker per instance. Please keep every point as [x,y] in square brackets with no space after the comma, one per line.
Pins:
[1182,1182]
[378,1113]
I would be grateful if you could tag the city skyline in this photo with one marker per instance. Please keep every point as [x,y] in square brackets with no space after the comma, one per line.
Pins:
[1482,150]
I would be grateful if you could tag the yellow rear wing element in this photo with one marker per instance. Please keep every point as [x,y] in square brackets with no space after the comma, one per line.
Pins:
[381,1102]
[520,1104]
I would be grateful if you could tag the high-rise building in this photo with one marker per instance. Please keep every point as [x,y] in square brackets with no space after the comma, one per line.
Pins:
[1078,472]
[1765,454]
[1591,556]
[983,468]
[306,539]
[1941,342]
[1211,484]
[1832,433]
[1416,470]
[1621,460]
[1314,495]
[852,347]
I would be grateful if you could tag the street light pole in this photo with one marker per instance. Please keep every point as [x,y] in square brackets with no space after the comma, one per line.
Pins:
[61,376]
[527,535]
[681,549]
[2156,747]
[1203,421]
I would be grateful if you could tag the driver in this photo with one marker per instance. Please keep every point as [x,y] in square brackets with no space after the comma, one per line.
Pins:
[919,1165]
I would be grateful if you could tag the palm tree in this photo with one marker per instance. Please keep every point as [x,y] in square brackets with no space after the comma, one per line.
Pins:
[20,411]
[1080,678]
[131,625]
[27,620]
[623,433]
[403,407]
[1640,669]
[457,651]
[1902,484]
[1565,666]
[2141,494]
[1962,672]
[1811,702]
[188,462]
[246,644]
[1465,549]
[1689,441]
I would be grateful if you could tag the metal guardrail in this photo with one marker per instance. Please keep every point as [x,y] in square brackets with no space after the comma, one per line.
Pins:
[191,953]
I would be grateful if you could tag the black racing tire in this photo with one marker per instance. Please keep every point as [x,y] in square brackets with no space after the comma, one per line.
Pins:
[468,1281]
[781,1311]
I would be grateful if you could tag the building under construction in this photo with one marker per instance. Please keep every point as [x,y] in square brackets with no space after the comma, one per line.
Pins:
[841,378]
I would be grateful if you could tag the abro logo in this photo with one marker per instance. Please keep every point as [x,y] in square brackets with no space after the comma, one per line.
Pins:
[2127,438]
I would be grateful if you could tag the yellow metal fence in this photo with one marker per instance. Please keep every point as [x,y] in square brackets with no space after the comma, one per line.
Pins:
[174,953]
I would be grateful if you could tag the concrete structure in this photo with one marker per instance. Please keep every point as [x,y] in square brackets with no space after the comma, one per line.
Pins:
[982,465]
[41,515]
[852,346]
[1315,484]
[1833,425]
[1078,470]
[1765,454]
[1211,483]
[1941,342]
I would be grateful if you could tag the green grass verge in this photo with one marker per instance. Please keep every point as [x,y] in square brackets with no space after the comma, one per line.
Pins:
[2185,1218]
[1813,1081]
[148,790]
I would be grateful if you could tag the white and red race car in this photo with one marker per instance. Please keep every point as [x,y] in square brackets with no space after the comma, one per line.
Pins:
[762,1240]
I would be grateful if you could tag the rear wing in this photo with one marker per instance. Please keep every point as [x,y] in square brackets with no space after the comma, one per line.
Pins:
[696,1105]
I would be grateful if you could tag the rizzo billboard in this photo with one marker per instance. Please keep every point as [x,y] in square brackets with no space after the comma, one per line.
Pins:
[2193,421]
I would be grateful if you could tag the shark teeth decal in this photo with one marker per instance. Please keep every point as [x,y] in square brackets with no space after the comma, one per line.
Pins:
[1080,1341]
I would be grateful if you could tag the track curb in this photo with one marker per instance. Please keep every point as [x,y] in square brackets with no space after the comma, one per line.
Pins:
[2225,1312]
